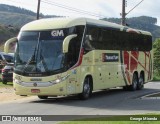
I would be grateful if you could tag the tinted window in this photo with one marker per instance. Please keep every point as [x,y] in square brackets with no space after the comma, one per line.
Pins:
[113,39]
[74,46]
[91,39]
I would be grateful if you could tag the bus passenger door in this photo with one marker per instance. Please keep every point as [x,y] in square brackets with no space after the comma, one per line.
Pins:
[72,80]
[72,59]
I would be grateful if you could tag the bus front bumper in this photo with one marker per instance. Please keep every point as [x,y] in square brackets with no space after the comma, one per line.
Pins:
[53,90]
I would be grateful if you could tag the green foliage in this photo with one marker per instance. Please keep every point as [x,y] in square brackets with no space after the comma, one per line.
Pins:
[16,16]
[156,78]
[13,9]
[11,16]
[9,84]
[110,122]
[119,119]
[156,48]
[15,19]
[7,32]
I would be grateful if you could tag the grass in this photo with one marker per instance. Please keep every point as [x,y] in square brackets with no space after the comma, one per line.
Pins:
[9,84]
[110,122]
[116,120]
[156,78]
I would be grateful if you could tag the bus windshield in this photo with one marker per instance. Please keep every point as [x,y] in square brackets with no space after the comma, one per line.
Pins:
[39,52]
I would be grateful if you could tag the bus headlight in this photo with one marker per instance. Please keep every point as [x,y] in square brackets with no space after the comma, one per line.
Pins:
[17,81]
[59,80]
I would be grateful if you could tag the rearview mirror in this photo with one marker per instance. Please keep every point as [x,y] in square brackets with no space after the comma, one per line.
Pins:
[66,42]
[8,42]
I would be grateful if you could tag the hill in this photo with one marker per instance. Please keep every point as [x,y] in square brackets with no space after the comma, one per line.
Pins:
[16,16]
[143,23]
[12,18]
[7,32]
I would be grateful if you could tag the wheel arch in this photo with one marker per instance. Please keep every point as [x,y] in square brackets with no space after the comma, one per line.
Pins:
[143,74]
[91,81]
[87,87]
[136,72]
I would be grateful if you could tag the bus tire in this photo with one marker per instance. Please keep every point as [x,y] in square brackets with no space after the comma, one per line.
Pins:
[87,90]
[140,84]
[126,88]
[42,97]
[133,87]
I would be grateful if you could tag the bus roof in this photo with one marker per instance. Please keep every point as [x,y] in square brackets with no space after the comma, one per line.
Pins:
[53,23]
[57,23]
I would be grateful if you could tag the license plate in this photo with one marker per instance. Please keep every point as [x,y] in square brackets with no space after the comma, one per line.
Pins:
[35,90]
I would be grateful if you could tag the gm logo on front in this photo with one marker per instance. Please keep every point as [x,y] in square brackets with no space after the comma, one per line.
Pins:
[56,33]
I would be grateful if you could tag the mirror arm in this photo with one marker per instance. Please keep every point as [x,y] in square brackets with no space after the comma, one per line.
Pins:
[8,42]
[66,42]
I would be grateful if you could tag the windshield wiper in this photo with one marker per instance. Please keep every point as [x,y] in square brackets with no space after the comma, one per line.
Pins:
[31,60]
[43,61]
[57,56]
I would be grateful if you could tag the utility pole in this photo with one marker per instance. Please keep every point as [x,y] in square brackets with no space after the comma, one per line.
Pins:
[123,21]
[38,8]
[123,14]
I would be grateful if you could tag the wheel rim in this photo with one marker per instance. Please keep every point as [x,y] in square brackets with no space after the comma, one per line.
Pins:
[86,88]
[141,81]
[135,82]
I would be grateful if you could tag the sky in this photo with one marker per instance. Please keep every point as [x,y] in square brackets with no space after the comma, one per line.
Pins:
[91,8]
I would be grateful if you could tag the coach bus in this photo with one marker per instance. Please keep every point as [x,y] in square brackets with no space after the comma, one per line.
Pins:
[68,56]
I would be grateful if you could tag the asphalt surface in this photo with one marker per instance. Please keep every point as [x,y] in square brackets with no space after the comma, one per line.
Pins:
[108,102]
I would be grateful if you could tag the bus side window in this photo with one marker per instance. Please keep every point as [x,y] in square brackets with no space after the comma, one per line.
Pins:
[87,43]
[91,38]
[74,46]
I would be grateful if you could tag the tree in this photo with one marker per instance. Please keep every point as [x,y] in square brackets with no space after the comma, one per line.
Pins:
[156,49]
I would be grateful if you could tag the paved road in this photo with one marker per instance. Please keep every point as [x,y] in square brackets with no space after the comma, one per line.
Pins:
[112,102]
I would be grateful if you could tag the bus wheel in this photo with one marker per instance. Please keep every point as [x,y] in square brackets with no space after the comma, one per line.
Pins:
[133,87]
[126,88]
[140,84]
[86,89]
[43,97]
